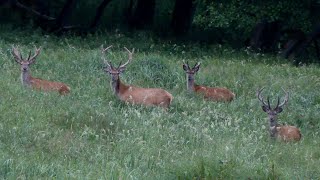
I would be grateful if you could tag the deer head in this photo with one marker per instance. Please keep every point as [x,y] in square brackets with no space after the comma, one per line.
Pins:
[193,70]
[116,71]
[266,107]
[24,63]
[190,74]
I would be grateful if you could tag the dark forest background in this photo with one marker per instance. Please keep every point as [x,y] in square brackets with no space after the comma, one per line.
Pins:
[291,27]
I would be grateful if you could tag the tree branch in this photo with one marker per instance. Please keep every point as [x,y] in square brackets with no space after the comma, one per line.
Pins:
[30,10]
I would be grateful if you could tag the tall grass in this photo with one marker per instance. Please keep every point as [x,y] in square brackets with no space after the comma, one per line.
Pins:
[90,134]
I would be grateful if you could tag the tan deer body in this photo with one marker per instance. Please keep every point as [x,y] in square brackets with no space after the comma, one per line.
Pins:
[136,95]
[282,132]
[288,133]
[36,83]
[216,94]
[210,93]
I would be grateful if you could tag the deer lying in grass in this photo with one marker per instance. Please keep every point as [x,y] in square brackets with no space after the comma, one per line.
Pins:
[36,83]
[132,94]
[210,93]
[284,133]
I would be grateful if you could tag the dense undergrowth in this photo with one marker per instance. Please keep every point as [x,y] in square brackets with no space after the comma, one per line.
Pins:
[90,134]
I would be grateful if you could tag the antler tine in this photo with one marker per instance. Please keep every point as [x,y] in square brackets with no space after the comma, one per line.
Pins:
[130,57]
[103,50]
[197,64]
[185,63]
[188,65]
[286,98]
[260,97]
[120,64]
[29,55]
[37,51]
[278,102]
[17,55]
[268,100]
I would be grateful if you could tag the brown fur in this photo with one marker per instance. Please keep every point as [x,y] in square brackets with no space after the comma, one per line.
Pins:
[216,94]
[283,133]
[209,93]
[145,96]
[288,133]
[45,85]
[36,83]
[132,94]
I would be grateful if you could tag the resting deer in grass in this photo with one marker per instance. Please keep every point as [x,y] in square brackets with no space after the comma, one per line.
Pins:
[36,83]
[132,94]
[282,132]
[210,93]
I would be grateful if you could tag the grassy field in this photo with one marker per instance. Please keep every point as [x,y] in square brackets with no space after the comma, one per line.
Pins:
[90,134]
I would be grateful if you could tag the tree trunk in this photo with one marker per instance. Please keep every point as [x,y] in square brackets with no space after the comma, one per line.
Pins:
[143,14]
[182,16]
[99,13]
[64,16]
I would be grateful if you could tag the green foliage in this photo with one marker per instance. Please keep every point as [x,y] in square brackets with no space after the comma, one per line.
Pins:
[238,16]
[90,134]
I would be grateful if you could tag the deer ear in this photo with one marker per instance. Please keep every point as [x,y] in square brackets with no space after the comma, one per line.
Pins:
[279,109]
[196,68]
[185,67]
[107,69]
[265,108]
[121,69]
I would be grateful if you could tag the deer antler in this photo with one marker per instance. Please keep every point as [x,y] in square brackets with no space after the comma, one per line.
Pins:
[286,98]
[129,59]
[17,55]
[185,64]
[197,65]
[103,52]
[32,59]
[261,98]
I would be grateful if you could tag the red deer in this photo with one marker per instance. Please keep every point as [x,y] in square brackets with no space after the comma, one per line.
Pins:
[133,94]
[281,132]
[210,93]
[36,83]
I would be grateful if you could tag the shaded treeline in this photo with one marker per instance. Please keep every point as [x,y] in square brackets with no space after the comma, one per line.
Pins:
[266,26]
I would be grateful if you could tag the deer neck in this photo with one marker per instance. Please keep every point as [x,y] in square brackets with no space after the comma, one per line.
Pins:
[190,82]
[118,87]
[26,78]
[273,126]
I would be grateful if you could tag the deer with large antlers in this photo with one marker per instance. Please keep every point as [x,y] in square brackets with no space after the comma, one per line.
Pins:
[36,83]
[132,94]
[282,132]
[210,93]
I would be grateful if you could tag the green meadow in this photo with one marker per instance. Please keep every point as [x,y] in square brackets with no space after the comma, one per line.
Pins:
[90,134]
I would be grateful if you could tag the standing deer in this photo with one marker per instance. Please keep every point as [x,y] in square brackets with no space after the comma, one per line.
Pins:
[132,94]
[215,94]
[36,83]
[282,132]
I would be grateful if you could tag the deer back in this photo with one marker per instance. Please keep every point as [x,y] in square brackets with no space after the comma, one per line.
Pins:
[146,96]
[45,85]
[216,94]
[288,133]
